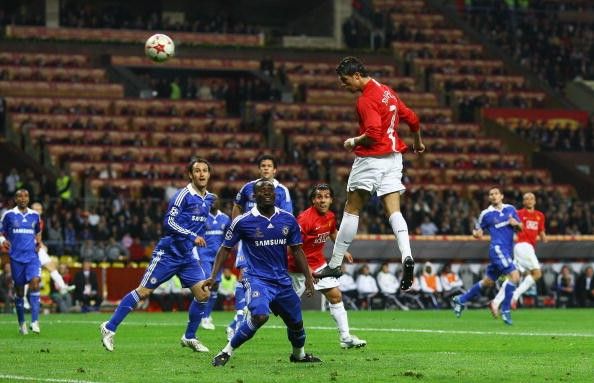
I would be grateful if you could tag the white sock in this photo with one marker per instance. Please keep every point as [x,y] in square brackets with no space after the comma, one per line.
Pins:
[525,285]
[500,295]
[346,234]
[400,229]
[57,278]
[228,349]
[299,352]
[340,317]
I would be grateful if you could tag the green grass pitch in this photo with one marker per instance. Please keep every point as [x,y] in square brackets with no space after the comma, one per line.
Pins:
[416,346]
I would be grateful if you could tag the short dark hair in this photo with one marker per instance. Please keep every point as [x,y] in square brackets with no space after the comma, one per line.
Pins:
[351,65]
[265,157]
[195,160]
[261,182]
[319,187]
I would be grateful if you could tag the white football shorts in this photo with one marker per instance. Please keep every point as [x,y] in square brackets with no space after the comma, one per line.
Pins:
[298,281]
[381,175]
[44,257]
[525,256]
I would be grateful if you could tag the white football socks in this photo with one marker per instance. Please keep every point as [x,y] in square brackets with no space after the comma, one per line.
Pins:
[340,317]
[57,278]
[346,234]
[500,295]
[400,229]
[525,285]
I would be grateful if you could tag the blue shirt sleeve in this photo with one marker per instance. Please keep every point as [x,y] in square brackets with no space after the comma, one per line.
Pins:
[285,202]
[240,198]
[172,217]
[232,234]
[294,237]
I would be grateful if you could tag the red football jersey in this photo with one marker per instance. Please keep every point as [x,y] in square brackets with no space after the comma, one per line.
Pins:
[315,231]
[380,111]
[532,224]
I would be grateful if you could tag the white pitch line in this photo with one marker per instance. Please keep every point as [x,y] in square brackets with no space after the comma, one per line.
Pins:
[332,328]
[36,379]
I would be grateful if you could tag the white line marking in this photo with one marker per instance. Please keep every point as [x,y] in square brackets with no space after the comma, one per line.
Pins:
[35,379]
[332,328]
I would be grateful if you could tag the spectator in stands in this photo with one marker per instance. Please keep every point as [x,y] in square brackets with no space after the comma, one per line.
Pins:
[430,285]
[366,286]
[348,288]
[86,293]
[451,283]
[565,287]
[585,287]
[428,227]
[226,292]
[389,286]
[6,288]
[92,251]
[114,251]
[64,186]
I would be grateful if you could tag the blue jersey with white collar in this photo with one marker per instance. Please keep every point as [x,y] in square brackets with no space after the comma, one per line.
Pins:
[246,199]
[496,222]
[185,220]
[265,242]
[21,229]
[216,226]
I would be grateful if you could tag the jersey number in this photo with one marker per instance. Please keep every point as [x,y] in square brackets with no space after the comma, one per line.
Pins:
[391,127]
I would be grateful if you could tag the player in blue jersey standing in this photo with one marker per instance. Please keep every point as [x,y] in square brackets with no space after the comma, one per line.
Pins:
[20,234]
[184,226]
[216,226]
[245,201]
[266,231]
[501,221]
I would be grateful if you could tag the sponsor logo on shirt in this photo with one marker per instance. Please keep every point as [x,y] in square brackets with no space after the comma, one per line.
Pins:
[271,242]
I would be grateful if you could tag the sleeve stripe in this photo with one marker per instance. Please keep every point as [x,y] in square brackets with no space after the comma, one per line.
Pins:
[237,219]
[180,197]
[178,228]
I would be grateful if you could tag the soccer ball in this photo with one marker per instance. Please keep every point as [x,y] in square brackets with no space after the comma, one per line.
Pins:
[159,47]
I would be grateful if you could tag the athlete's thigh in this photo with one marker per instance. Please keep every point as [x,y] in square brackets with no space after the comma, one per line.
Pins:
[525,256]
[33,269]
[287,305]
[365,174]
[191,272]
[162,267]
[391,180]
[258,295]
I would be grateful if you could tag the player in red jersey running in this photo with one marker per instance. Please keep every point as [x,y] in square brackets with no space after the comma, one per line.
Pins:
[533,222]
[377,168]
[318,224]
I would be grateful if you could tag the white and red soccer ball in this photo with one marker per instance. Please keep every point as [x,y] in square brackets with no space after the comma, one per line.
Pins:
[159,47]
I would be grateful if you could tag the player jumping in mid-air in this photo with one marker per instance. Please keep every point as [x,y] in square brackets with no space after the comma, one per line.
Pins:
[533,227]
[175,254]
[20,234]
[317,224]
[245,201]
[377,168]
[266,232]
[501,221]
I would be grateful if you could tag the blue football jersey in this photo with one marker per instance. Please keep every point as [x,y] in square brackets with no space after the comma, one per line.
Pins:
[246,199]
[265,242]
[21,229]
[185,220]
[496,223]
[216,226]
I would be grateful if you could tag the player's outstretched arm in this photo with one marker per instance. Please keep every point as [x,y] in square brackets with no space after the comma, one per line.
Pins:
[4,242]
[303,267]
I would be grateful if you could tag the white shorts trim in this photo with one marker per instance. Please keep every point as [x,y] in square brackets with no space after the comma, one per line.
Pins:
[298,282]
[525,257]
[381,175]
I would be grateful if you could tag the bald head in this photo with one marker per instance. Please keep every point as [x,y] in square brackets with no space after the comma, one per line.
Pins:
[529,201]
[37,207]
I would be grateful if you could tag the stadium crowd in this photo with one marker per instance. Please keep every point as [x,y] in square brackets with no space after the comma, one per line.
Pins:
[549,38]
